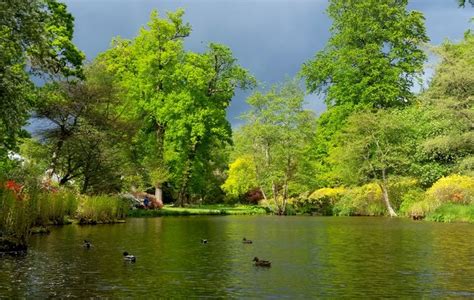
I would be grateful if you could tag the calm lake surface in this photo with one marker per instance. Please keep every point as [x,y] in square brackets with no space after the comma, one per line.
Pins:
[312,257]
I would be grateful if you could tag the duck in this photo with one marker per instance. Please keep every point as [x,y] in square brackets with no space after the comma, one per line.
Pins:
[262,263]
[87,244]
[203,241]
[245,241]
[129,257]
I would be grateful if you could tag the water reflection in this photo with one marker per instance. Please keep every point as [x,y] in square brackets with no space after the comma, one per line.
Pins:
[311,257]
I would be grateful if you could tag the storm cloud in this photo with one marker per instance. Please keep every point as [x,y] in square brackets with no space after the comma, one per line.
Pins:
[272,39]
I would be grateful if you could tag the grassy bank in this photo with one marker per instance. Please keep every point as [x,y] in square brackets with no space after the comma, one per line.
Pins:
[215,209]
[452,213]
[26,210]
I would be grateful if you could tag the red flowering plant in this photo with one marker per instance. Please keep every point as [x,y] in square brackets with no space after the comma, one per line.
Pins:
[16,188]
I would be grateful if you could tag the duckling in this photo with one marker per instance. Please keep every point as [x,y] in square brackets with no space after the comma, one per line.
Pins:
[87,244]
[129,257]
[261,263]
[245,241]
[203,241]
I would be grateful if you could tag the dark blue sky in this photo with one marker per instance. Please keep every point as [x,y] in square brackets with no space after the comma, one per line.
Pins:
[271,38]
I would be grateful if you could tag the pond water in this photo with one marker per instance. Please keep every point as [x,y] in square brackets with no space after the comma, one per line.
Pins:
[312,257]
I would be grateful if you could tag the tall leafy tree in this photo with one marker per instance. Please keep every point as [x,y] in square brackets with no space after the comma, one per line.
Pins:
[373,56]
[35,38]
[372,59]
[180,97]
[445,116]
[198,122]
[373,147]
[88,131]
[276,135]
[146,67]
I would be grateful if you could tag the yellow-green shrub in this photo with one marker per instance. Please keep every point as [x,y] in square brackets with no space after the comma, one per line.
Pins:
[361,201]
[413,203]
[398,187]
[453,189]
[320,202]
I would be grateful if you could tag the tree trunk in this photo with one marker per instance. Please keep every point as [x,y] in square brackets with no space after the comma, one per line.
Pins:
[275,198]
[187,174]
[85,185]
[159,195]
[263,194]
[386,200]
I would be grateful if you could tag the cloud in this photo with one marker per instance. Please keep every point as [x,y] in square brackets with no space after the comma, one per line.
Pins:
[270,38]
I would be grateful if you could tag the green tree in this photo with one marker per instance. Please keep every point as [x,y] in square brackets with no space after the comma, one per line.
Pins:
[197,119]
[146,69]
[372,147]
[276,135]
[35,38]
[180,97]
[373,56]
[444,117]
[88,135]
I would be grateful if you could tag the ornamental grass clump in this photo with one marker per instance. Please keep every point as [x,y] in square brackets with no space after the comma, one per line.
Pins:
[15,218]
[54,207]
[101,209]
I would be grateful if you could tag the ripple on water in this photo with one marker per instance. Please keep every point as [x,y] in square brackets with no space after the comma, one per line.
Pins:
[311,257]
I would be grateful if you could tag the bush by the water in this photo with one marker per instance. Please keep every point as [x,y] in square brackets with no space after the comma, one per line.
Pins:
[449,196]
[365,200]
[453,189]
[101,209]
[399,189]
[320,202]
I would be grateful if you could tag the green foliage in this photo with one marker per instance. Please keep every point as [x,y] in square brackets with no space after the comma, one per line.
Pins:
[216,209]
[329,124]
[241,177]
[277,136]
[441,122]
[399,187]
[412,203]
[361,201]
[180,100]
[450,192]
[36,37]
[451,212]
[454,189]
[101,209]
[373,55]
[89,137]
[320,202]
[371,145]
[53,208]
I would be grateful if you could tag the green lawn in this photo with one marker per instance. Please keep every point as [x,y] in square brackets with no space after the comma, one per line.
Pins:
[214,209]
